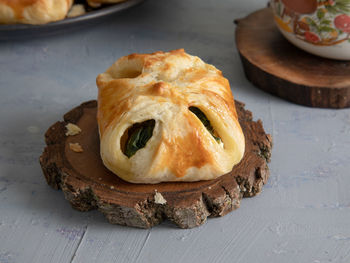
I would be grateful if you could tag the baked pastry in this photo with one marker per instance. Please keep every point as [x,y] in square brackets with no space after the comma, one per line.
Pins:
[76,10]
[33,11]
[167,117]
[98,3]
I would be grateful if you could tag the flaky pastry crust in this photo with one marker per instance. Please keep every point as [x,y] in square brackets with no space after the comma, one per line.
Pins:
[162,87]
[33,11]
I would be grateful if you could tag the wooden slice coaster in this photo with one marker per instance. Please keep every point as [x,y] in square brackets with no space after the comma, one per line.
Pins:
[273,64]
[87,184]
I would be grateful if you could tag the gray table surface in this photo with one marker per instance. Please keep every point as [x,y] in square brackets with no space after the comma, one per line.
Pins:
[302,215]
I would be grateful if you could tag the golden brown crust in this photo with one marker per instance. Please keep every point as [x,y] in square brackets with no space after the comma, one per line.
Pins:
[162,86]
[33,11]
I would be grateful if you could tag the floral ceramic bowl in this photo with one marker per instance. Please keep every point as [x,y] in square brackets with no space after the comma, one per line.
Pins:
[321,27]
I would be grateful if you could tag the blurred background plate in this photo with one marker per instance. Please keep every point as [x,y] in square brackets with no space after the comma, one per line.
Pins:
[92,16]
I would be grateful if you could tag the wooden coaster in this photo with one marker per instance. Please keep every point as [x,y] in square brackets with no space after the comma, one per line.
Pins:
[87,184]
[273,64]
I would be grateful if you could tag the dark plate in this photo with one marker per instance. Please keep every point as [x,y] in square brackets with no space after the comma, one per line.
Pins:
[92,16]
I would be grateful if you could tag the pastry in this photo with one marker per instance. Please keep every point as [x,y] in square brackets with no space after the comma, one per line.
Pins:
[98,3]
[76,10]
[167,117]
[33,11]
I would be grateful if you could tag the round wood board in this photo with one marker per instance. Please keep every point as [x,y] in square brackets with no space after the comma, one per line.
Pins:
[87,184]
[274,65]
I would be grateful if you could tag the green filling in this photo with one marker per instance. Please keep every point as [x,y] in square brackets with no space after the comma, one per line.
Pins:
[201,116]
[138,136]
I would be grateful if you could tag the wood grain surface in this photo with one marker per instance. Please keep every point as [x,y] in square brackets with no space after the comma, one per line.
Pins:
[274,65]
[87,184]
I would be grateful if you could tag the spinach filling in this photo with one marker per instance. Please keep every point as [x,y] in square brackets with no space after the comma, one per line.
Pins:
[201,116]
[138,136]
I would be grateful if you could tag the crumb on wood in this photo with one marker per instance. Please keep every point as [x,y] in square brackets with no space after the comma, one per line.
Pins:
[72,129]
[76,147]
[159,199]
